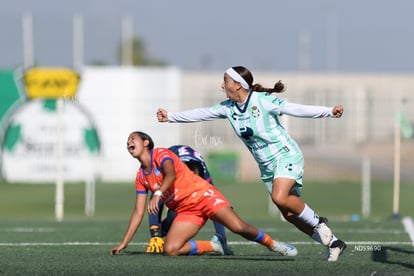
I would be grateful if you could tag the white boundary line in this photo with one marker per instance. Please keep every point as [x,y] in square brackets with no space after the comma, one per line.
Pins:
[267,230]
[409,227]
[26,244]
[406,221]
[28,230]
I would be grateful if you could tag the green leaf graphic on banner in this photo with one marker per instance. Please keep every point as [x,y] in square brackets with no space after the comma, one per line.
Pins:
[11,137]
[92,139]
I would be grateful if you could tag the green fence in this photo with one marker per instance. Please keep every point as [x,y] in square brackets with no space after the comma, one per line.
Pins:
[223,166]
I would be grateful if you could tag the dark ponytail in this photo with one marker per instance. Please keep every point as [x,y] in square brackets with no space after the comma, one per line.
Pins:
[279,87]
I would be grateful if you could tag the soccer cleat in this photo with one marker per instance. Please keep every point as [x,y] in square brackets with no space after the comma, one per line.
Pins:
[226,248]
[217,247]
[155,245]
[284,249]
[335,250]
[325,233]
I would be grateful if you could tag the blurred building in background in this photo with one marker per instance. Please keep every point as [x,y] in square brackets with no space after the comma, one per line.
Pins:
[332,147]
[121,95]
[119,100]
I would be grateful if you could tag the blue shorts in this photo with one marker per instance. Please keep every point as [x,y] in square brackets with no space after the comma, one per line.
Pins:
[285,168]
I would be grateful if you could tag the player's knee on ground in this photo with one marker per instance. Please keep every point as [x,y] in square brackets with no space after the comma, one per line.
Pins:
[171,249]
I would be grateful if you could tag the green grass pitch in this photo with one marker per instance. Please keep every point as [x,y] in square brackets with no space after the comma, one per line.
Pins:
[33,243]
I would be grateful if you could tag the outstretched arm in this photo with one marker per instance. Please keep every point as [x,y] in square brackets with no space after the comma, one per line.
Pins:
[190,115]
[311,111]
[134,223]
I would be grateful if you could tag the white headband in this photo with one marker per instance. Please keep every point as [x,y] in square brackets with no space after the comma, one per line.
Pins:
[236,77]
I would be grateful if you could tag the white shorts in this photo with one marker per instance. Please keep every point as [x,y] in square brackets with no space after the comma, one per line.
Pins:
[285,168]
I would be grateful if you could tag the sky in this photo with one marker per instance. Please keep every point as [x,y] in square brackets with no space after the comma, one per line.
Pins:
[296,35]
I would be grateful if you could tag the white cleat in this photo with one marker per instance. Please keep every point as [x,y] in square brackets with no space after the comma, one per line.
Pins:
[226,248]
[284,249]
[218,248]
[335,250]
[325,233]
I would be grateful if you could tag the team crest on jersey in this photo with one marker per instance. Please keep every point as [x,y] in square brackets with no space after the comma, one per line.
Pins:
[255,111]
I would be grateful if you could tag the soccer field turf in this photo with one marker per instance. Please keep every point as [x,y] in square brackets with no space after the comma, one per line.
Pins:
[32,243]
[380,247]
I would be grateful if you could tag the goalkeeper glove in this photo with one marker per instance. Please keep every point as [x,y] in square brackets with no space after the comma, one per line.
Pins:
[155,245]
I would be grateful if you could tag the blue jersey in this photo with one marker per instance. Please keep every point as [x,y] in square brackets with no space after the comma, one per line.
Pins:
[186,154]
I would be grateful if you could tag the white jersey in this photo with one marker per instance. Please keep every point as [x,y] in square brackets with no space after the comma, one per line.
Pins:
[257,123]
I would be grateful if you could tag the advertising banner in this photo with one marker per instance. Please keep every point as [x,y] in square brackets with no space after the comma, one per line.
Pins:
[101,106]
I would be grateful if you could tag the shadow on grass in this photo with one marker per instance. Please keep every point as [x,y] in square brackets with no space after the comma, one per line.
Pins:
[219,257]
[392,255]
[259,258]
[125,252]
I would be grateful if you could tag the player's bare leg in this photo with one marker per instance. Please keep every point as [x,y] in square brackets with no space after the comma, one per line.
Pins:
[176,242]
[320,232]
[232,221]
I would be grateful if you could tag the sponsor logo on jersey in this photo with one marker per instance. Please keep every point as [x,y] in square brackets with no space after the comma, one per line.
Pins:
[218,201]
[240,117]
[246,132]
[277,101]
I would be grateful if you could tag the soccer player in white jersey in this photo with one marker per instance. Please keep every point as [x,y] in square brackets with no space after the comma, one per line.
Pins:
[253,111]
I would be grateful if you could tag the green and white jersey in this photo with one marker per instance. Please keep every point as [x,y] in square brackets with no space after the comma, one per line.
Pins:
[257,124]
